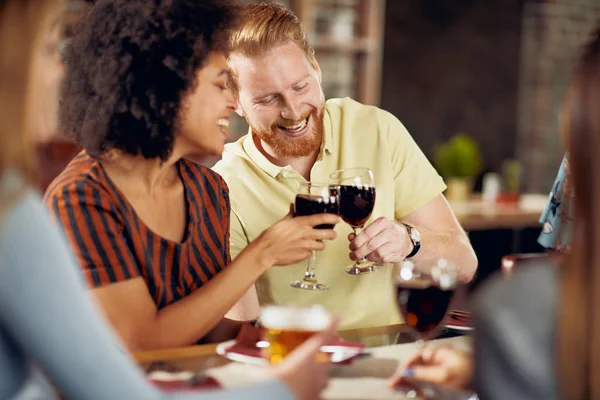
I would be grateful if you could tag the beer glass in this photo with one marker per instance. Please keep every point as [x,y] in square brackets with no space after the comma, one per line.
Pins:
[287,327]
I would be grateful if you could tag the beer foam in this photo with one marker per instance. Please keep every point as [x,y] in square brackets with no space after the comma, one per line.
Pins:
[314,318]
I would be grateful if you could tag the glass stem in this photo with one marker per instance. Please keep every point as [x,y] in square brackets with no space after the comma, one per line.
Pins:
[309,275]
[364,259]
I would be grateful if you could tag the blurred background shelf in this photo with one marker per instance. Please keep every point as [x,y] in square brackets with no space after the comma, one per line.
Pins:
[358,45]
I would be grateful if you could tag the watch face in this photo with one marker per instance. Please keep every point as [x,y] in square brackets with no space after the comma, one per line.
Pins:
[415,235]
[415,238]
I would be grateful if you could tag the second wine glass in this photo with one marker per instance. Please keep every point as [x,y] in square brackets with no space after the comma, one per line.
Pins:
[424,292]
[357,201]
[315,198]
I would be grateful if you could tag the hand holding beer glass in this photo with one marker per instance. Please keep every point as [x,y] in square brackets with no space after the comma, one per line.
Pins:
[305,370]
[288,327]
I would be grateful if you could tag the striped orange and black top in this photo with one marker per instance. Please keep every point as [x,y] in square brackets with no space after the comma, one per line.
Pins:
[112,244]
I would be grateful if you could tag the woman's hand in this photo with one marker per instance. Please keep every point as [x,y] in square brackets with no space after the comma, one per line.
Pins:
[441,365]
[292,239]
[304,371]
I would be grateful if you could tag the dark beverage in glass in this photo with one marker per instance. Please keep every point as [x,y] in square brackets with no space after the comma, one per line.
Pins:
[307,204]
[423,304]
[356,204]
[315,198]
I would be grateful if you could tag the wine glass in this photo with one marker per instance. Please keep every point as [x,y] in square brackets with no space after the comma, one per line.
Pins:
[357,201]
[315,198]
[424,292]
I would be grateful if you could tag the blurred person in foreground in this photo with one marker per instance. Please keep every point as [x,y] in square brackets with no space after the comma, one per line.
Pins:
[537,332]
[145,90]
[47,316]
[296,136]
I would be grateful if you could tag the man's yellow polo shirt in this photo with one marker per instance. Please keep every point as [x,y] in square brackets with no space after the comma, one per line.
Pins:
[355,135]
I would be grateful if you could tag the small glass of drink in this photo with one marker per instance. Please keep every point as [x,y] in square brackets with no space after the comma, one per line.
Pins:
[287,327]
[424,292]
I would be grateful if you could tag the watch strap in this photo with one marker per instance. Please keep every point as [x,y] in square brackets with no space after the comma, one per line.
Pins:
[416,243]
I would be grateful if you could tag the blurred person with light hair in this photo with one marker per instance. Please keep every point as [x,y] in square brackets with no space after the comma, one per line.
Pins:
[296,136]
[47,316]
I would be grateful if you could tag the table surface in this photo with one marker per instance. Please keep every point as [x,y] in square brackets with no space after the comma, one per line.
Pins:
[364,378]
[478,215]
[205,356]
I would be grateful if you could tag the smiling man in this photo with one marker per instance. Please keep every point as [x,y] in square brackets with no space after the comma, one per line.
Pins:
[295,135]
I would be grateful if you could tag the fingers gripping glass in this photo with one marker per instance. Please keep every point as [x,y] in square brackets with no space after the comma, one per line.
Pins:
[315,198]
[357,201]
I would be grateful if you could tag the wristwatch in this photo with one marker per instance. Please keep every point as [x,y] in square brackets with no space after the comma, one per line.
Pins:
[415,238]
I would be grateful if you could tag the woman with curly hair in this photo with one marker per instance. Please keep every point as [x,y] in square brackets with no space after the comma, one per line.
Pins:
[47,316]
[145,91]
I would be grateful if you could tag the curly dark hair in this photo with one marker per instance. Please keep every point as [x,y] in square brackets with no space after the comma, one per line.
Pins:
[129,67]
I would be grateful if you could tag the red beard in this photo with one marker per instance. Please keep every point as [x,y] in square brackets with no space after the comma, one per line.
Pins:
[289,147]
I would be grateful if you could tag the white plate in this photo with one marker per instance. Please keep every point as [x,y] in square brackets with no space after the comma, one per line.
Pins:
[222,350]
[341,355]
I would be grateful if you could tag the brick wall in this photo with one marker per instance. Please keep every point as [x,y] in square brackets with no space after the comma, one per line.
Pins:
[552,36]
[451,67]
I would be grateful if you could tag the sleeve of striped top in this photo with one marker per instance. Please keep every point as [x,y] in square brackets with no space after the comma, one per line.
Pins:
[226,213]
[94,227]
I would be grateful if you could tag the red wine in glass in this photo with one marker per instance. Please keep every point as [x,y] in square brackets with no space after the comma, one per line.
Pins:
[423,304]
[356,204]
[307,204]
[315,198]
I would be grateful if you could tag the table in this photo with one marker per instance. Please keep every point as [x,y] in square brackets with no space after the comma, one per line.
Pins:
[478,215]
[205,356]
[365,378]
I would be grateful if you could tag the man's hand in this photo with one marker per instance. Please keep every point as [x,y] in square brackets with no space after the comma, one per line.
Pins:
[384,241]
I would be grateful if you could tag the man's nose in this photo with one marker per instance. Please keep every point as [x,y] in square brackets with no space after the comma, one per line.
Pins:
[291,111]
